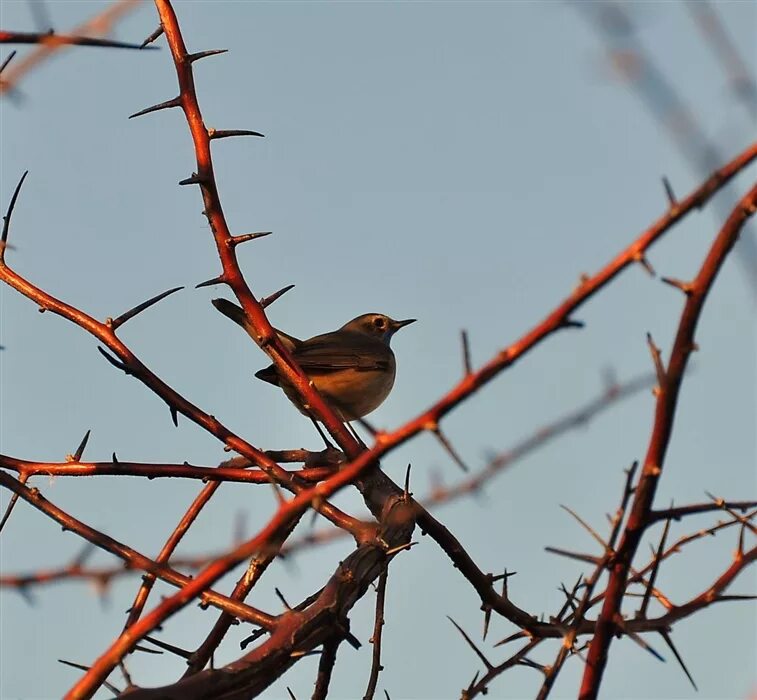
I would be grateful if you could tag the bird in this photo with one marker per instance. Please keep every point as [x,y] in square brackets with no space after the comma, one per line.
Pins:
[353,368]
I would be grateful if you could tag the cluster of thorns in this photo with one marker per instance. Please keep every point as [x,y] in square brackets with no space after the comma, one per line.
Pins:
[593,612]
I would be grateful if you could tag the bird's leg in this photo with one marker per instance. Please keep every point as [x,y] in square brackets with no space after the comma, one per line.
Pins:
[329,445]
[365,424]
[355,435]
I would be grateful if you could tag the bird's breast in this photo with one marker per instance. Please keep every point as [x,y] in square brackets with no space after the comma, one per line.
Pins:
[352,393]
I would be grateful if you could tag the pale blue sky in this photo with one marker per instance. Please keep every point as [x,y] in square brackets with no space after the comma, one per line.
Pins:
[459,163]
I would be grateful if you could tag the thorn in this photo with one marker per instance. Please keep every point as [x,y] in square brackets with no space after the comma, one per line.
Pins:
[487,620]
[26,594]
[7,60]
[503,576]
[267,301]
[153,37]
[588,558]
[112,688]
[570,598]
[657,360]
[637,638]
[116,363]
[280,596]
[669,193]
[400,547]
[586,526]
[571,323]
[215,134]
[520,634]
[123,318]
[249,640]
[278,493]
[8,214]
[406,494]
[525,661]
[642,612]
[174,415]
[11,505]
[76,456]
[466,353]
[685,287]
[146,650]
[478,652]
[314,513]
[670,644]
[114,459]
[236,240]
[183,653]
[209,283]
[168,104]
[291,694]
[447,445]
[192,57]
[469,689]
[125,673]
[193,179]
[644,262]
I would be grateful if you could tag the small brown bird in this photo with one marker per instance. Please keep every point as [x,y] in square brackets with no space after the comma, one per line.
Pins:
[353,368]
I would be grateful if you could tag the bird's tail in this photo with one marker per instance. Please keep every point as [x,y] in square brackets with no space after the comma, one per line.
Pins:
[232,311]
[236,313]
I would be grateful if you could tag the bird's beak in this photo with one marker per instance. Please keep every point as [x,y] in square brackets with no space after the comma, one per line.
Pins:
[401,324]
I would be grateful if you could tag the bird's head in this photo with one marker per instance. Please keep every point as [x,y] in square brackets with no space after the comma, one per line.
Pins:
[376,325]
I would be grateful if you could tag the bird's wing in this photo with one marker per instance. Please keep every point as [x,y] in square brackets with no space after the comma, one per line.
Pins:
[332,352]
[325,359]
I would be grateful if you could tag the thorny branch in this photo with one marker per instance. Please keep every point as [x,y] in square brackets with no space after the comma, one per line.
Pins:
[301,629]
[49,43]
[667,400]
[438,495]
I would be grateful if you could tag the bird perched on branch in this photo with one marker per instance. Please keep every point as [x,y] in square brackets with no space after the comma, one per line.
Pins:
[353,368]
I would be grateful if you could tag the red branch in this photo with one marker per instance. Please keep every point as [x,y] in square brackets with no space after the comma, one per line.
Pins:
[226,244]
[667,400]
[130,556]
[27,469]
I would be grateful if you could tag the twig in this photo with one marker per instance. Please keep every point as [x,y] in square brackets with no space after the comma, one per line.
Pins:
[129,555]
[100,24]
[378,627]
[326,668]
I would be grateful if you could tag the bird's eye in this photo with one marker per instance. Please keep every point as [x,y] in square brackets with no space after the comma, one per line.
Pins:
[379,323]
